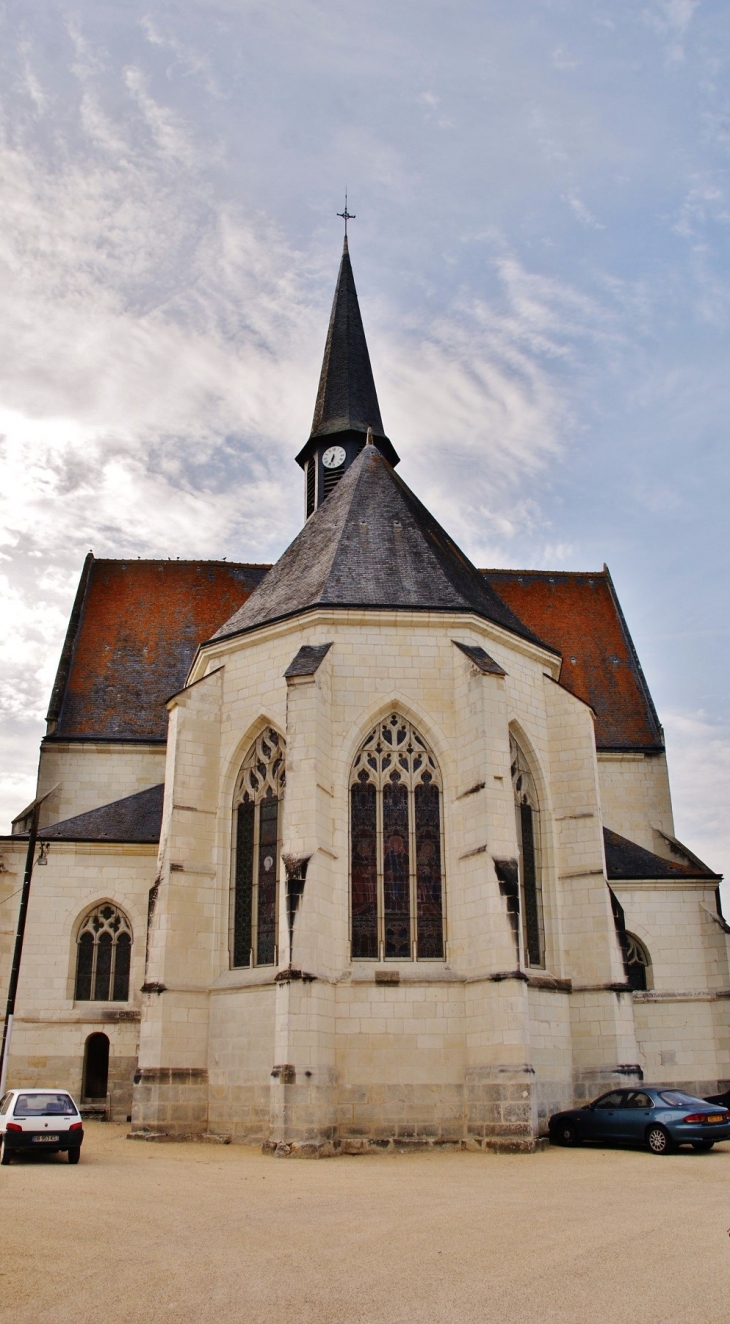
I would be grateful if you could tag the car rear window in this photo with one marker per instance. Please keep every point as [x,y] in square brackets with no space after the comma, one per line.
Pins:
[676,1099]
[44,1105]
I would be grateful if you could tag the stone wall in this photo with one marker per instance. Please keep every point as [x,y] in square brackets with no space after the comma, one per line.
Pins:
[51,1028]
[683,1020]
[94,773]
[635,798]
[318,1050]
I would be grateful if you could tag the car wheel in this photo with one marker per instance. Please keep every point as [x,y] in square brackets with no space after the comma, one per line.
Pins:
[702,1146]
[5,1156]
[658,1140]
[74,1155]
[566,1133]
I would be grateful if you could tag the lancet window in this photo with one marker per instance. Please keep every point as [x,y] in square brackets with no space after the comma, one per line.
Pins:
[396,847]
[256,847]
[637,962]
[527,814]
[103,956]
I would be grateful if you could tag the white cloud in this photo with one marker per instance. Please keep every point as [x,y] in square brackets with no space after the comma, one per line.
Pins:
[159,351]
[561,60]
[160,334]
[583,213]
[698,749]
[670,19]
[481,397]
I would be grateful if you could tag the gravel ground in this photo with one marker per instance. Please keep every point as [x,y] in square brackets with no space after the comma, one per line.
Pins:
[148,1232]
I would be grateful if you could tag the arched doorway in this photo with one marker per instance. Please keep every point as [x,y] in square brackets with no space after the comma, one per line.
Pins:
[96,1067]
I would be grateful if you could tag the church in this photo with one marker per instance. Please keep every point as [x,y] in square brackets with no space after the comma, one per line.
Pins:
[368,848]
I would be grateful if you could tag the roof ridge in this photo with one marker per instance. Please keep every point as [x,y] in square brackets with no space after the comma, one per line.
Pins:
[58,692]
[659,730]
[509,570]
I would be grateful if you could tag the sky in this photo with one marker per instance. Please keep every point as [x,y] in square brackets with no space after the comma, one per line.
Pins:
[540,247]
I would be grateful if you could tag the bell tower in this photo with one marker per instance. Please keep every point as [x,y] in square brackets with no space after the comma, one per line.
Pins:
[347,402]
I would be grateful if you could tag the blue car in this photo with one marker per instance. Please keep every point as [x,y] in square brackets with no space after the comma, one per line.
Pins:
[661,1118]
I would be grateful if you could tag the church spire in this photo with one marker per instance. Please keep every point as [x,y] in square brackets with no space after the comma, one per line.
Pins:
[347,402]
[346,398]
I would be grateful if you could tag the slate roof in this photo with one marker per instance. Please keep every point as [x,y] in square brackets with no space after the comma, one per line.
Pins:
[480,659]
[136,818]
[133,633]
[307,661]
[580,616]
[346,399]
[131,616]
[625,860]
[372,544]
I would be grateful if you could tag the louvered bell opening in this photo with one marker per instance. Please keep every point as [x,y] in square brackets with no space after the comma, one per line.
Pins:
[311,484]
[331,479]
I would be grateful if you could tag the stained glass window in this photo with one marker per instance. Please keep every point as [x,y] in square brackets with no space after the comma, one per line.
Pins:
[84,967]
[120,985]
[363,828]
[257,802]
[429,905]
[103,956]
[396,870]
[527,816]
[243,886]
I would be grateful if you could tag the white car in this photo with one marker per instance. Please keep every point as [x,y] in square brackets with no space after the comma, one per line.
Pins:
[40,1120]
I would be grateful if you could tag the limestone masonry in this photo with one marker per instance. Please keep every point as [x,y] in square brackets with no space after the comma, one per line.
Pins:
[396,861]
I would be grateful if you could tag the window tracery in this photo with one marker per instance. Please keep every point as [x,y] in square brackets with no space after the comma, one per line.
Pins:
[257,801]
[396,869]
[637,962]
[103,956]
[527,811]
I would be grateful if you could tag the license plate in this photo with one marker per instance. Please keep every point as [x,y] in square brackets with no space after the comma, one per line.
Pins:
[46,1140]
[715,1117]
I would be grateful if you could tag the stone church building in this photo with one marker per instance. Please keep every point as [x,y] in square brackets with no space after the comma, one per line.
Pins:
[370,846]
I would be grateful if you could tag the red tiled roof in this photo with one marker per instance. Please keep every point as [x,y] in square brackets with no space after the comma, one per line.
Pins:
[136,625]
[133,633]
[579,614]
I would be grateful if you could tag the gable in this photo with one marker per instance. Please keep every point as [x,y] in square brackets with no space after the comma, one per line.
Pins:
[136,626]
[579,615]
[134,631]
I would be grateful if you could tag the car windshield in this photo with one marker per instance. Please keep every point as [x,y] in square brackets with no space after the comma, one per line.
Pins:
[44,1105]
[676,1099]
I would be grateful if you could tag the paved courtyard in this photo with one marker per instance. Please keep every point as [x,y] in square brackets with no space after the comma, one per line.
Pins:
[145,1232]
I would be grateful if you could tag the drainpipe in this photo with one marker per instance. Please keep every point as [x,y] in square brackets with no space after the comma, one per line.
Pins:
[20,934]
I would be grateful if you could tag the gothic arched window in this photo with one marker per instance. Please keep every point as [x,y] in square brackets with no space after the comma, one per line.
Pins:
[103,956]
[527,814]
[637,962]
[396,871]
[257,828]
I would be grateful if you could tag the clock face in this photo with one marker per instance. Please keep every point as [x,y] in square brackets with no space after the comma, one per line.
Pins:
[334,457]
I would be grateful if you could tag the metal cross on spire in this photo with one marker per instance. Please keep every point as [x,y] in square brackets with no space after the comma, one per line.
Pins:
[346,215]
